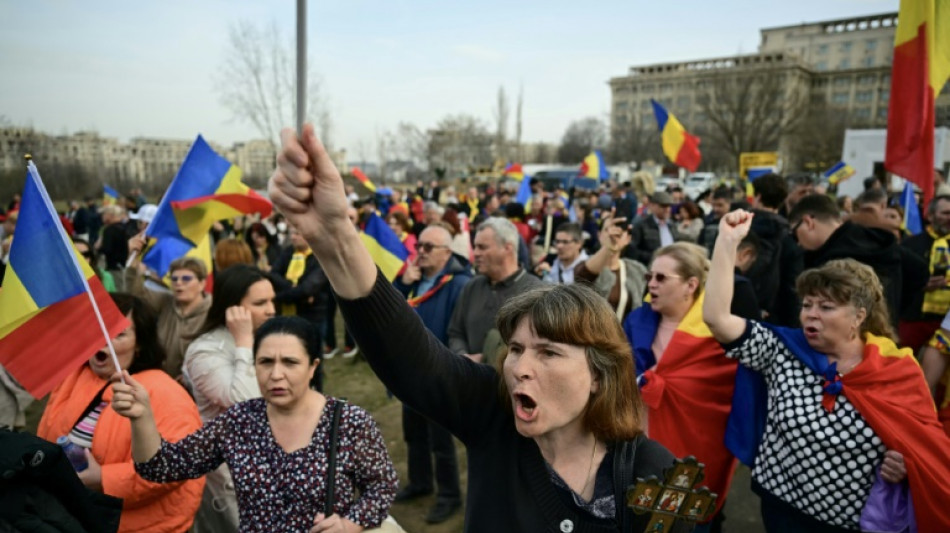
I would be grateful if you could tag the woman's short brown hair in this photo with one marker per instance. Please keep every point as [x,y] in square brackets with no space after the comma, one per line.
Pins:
[848,282]
[197,266]
[401,219]
[575,314]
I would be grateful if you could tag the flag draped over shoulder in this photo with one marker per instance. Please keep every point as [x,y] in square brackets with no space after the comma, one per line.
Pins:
[920,67]
[911,222]
[207,188]
[593,167]
[679,145]
[48,326]
[110,196]
[387,251]
[363,178]
[688,393]
[888,389]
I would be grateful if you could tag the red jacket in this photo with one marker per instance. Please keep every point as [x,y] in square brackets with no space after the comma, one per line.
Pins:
[147,507]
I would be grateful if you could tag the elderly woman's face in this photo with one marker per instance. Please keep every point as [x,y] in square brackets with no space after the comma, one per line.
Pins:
[124,344]
[828,324]
[186,286]
[550,384]
[669,291]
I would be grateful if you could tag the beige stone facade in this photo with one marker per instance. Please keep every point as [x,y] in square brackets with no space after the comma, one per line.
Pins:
[845,63]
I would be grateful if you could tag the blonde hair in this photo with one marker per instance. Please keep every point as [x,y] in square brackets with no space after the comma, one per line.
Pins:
[691,261]
[848,282]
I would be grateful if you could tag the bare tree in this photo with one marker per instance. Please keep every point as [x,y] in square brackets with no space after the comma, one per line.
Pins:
[256,82]
[501,124]
[580,138]
[633,142]
[748,111]
[411,144]
[458,145]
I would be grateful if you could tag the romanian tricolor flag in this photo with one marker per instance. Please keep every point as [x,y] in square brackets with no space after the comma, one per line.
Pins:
[384,246]
[693,381]
[681,147]
[920,68]
[888,389]
[513,171]
[363,178]
[48,324]
[593,167]
[110,196]
[206,189]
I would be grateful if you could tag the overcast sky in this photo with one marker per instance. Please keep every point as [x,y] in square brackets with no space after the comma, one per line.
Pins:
[146,68]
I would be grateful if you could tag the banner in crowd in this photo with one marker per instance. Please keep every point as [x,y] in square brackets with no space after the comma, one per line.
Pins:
[207,188]
[48,324]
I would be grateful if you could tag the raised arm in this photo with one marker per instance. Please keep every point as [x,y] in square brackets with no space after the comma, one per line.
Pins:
[307,189]
[613,239]
[725,326]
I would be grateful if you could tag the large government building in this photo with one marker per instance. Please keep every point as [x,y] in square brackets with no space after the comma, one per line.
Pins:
[844,64]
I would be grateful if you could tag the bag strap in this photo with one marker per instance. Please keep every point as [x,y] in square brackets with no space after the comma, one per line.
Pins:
[625,454]
[331,461]
[96,400]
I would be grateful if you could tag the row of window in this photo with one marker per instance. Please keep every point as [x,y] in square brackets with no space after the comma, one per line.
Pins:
[870,45]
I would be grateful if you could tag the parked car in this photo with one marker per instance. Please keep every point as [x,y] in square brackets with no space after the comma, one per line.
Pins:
[697,183]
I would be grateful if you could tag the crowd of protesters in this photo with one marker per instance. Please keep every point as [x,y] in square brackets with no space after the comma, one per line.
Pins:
[599,315]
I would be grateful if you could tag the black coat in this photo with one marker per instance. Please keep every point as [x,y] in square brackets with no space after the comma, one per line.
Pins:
[312,292]
[40,492]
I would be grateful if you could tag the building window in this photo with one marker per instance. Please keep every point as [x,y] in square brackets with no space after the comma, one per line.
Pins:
[842,82]
[645,104]
[862,113]
[870,45]
[863,96]
[683,102]
[621,104]
[882,112]
[666,87]
[868,61]
[884,95]
[822,49]
[647,88]
[845,63]
[821,65]
[839,98]
[846,46]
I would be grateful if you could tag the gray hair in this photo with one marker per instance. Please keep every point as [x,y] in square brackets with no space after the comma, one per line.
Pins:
[505,232]
[433,206]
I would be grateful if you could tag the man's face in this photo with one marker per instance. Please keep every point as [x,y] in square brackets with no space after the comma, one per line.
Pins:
[433,249]
[297,240]
[720,206]
[431,216]
[490,256]
[567,247]
[661,211]
[941,217]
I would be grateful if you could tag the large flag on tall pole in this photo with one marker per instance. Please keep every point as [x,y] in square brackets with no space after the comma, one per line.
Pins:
[920,68]
[54,312]
[207,188]
[679,145]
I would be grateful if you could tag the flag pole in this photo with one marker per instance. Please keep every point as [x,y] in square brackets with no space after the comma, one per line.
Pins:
[301,64]
[35,174]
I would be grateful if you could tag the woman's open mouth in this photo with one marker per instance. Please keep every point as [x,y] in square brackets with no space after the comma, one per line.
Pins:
[525,407]
[101,356]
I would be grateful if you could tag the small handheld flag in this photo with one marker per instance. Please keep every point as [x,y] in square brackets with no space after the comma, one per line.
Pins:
[50,299]
[912,222]
[838,173]
[387,251]
[110,196]
[514,171]
[593,167]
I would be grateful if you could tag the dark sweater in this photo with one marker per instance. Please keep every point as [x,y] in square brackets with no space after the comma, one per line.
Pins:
[509,488]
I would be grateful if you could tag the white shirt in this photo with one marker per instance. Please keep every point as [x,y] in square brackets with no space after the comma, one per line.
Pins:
[561,273]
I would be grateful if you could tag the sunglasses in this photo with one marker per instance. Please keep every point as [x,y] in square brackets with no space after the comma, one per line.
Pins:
[660,277]
[186,278]
[427,247]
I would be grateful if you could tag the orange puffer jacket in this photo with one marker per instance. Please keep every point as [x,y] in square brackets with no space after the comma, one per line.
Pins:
[147,507]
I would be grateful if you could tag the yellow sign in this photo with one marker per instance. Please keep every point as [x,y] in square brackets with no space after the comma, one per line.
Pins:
[749,160]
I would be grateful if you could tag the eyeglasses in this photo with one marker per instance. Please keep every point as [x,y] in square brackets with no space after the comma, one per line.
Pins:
[427,247]
[185,278]
[660,277]
[793,231]
[564,241]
